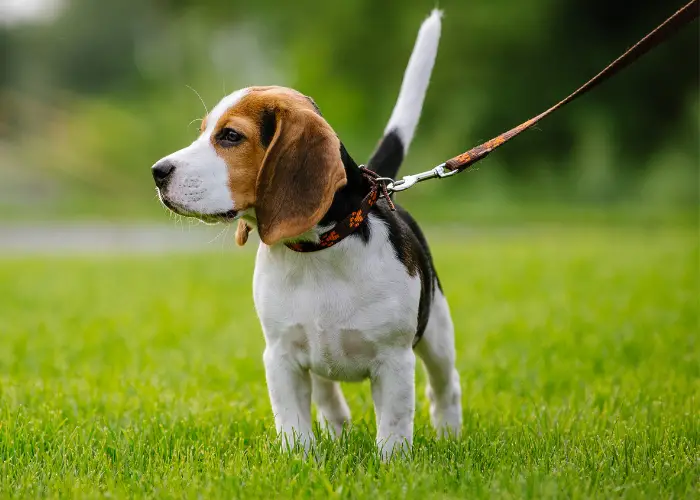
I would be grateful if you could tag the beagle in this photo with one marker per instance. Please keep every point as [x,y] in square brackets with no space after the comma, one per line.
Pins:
[356,306]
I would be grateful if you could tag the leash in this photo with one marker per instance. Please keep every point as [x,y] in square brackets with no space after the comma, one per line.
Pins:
[462,162]
[384,186]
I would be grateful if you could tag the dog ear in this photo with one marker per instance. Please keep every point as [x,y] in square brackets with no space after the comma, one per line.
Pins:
[301,172]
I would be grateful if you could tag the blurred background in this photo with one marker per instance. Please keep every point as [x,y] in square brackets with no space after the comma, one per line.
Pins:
[92,93]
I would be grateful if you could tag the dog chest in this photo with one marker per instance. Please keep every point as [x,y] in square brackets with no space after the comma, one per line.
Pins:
[336,316]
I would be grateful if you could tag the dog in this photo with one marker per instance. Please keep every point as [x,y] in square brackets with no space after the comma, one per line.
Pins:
[355,306]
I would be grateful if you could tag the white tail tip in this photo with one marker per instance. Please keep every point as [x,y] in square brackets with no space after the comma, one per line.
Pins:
[409,104]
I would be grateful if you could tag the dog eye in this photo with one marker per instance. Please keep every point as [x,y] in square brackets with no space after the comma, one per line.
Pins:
[229,137]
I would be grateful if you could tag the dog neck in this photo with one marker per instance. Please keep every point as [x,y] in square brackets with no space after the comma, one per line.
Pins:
[348,198]
[345,201]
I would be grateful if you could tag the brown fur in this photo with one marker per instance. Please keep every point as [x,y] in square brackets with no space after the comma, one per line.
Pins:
[300,175]
[291,184]
[242,232]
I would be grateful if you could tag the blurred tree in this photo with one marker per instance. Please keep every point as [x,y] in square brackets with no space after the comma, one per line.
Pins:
[500,62]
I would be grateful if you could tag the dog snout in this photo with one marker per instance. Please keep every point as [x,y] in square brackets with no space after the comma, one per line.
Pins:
[162,171]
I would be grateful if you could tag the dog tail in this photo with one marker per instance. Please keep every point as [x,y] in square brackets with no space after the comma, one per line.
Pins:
[398,133]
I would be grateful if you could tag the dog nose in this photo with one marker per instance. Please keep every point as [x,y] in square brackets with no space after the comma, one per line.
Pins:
[162,172]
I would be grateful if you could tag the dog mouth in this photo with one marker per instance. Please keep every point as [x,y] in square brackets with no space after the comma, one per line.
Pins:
[213,218]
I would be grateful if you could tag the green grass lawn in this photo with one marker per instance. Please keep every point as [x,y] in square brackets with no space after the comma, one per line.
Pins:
[135,376]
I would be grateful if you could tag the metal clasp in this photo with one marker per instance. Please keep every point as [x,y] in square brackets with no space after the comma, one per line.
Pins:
[409,181]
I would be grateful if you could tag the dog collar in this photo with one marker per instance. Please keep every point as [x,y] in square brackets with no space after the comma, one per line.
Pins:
[352,222]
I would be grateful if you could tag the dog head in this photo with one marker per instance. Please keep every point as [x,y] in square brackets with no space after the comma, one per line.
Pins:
[264,152]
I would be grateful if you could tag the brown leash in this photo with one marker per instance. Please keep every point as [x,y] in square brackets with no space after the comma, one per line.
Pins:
[462,162]
[383,186]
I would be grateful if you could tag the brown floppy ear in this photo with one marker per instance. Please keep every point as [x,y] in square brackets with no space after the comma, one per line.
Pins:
[300,174]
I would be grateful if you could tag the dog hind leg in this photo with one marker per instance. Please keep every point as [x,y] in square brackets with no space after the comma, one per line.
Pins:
[437,352]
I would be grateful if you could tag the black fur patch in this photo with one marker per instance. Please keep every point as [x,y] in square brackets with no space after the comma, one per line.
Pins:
[411,222]
[411,248]
[268,126]
[388,156]
[348,198]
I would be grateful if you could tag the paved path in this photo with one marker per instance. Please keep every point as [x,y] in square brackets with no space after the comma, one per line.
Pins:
[183,236]
[114,238]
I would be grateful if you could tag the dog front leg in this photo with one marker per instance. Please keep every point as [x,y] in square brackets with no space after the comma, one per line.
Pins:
[289,386]
[393,392]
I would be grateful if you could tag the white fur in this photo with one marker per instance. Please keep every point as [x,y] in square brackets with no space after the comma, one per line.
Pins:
[349,313]
[406,113]
[199,183]
[222,106]
[346,313]
[437,351]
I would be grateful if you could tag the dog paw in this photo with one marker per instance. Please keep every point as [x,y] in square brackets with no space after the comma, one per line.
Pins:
[394,447]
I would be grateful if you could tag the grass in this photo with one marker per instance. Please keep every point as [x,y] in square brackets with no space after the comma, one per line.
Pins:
[137,376]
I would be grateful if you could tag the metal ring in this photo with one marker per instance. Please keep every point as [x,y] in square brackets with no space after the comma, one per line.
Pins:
[384,179]
[443,172]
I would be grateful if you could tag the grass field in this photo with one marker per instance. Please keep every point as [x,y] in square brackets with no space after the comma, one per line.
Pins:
[132,376]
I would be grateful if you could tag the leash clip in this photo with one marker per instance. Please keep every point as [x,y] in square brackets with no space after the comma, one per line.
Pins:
[408,181]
